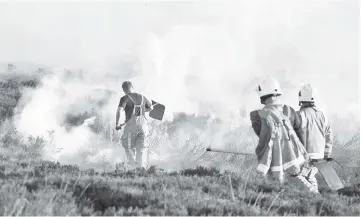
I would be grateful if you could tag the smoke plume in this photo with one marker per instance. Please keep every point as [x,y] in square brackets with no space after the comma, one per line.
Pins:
[194,57]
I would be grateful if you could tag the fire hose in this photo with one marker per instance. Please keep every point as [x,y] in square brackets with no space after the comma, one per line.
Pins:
[250,154]
[226,151]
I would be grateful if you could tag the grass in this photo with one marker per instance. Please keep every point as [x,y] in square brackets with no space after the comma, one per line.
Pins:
[205,186]
[48,188]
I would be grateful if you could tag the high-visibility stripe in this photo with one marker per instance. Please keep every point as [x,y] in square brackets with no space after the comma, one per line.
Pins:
[262,168]
[287,165]
[315,155]
[294,162]
[277,168]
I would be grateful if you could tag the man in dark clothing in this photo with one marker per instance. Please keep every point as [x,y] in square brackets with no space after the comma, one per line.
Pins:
[136,127]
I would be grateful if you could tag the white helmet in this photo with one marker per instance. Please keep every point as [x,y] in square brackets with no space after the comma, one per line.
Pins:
[307,93]
[269,86]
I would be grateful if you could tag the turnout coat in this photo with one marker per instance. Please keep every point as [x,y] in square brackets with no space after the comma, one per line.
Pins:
[316,133]
[279,148]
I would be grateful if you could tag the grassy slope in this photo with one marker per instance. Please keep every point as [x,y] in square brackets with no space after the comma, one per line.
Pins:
[52,189]
[30,186]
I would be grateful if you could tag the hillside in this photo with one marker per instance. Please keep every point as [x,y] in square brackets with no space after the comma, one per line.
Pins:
[53,189]
[225,185]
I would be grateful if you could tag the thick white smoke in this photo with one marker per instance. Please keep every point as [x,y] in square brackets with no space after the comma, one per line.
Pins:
[191,56]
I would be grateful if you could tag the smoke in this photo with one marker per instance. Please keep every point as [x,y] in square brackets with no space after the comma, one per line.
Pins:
[194,57]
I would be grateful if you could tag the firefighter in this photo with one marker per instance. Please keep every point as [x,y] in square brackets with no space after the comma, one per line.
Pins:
[135,131]
[280,152]
[316,132]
